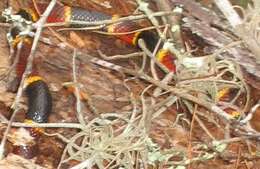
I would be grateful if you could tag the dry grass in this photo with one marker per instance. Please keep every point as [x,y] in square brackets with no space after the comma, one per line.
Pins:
[185,124]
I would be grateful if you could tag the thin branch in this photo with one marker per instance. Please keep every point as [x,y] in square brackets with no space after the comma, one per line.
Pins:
[15,105]
[78,101]
[45,125]
[106,22]
[126,56]
[176,91]
[226,7]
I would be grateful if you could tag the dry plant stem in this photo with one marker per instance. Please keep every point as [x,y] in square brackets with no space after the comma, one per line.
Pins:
[152,63]
[134,112]
[130,32]
[16,59]
[59,136]
[91,28]
[176,91]
[247,165]
[232,140]
[45,125]
[85,164]
[235,21]
[238,158]
[169,102]
[4,139]
[137,17]
[147,116]
[11,50]
[61,38]
[80,152]
[163,5]
[242,86]
[174,20]
[33,49]
[196,10]
[185,95]
[142,45]
[250,114]
[165,80]
[4,25]
[176,122]
[249,147]
[226,7]
[227,130]
[143,6]
[256,4]
[115,57]
[248,94]
[3,118]
[6,74]
[62,157]
[105,4]
[78,102]
[47,41]
[72,145]
[251,43]
[237,81]
[143,62]
[231,105]
[204,127]
[210,79]
[190,134]
[15,105]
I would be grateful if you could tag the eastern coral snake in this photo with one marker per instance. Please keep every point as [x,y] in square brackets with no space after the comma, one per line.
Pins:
[38,94]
